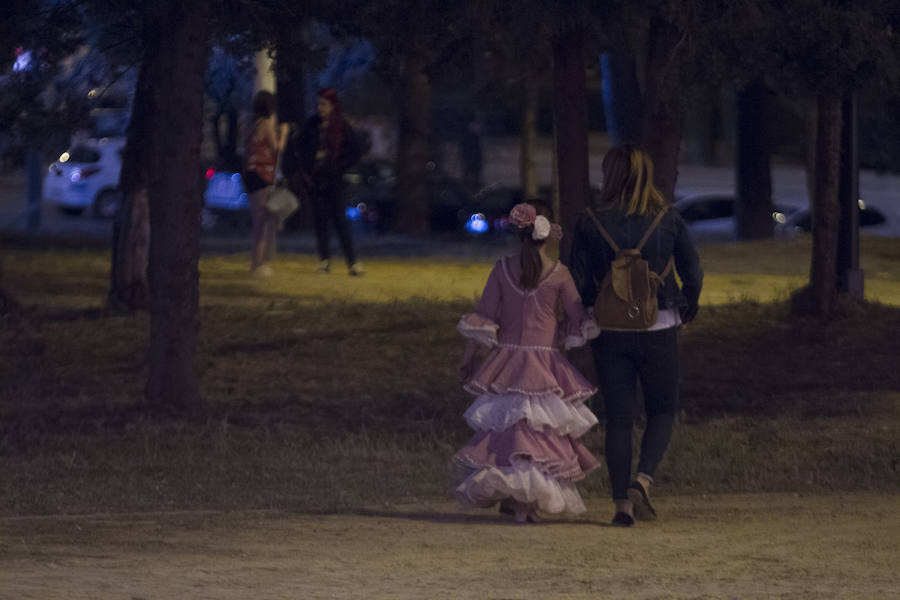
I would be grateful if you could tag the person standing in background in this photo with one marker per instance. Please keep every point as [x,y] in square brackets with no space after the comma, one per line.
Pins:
[260,159]
[318,158]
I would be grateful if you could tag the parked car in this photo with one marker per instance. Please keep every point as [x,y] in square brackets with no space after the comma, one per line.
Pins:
[801,220]
[86,176]
[371,200]
[711,216]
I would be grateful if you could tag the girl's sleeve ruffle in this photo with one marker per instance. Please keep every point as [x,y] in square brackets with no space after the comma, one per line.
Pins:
[578,333]
[478,328]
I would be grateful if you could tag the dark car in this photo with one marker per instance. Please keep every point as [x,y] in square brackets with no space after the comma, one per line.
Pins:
[801,220]
[371,199]
[711,216]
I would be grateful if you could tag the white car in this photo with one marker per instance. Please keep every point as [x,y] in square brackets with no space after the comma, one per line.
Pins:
[86,176]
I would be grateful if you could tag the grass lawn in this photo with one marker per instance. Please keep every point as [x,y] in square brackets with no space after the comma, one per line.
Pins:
[332,391]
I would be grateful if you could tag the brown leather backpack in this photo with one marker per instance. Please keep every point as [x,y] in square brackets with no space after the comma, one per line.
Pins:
[627,297]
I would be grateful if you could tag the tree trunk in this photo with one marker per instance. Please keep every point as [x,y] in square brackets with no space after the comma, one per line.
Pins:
[826,209]
[528,150]
[570,118]
[34,172]
[753,205]
[175,205]
[662,108]
[129,285]
[621,97]
[412,211]
[8,304]
[662,131]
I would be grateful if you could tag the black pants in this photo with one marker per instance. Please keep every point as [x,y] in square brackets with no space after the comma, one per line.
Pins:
[328,205]
[622,359]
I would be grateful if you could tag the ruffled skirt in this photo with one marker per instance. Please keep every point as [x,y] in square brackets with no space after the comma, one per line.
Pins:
[524,448]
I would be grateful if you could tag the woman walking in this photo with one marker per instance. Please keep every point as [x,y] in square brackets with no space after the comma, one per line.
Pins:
[259,175]
[630,210]
[326,147]
[529,411]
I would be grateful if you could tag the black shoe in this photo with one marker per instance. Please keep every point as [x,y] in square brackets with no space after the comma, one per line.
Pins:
[643,510]
[622,519]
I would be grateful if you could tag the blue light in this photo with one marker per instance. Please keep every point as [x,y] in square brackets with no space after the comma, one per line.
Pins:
[476,224]
[236,178]
[353,213]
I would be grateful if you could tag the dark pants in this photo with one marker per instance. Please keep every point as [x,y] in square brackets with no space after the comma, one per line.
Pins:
[622,359]
[328,206]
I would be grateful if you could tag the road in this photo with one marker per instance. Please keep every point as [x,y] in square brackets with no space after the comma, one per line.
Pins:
[789,187]
[738,547]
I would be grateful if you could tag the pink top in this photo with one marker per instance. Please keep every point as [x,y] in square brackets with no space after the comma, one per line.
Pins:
[523,328]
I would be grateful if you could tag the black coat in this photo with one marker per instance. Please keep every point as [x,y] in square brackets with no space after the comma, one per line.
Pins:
[591,255]
[299,161]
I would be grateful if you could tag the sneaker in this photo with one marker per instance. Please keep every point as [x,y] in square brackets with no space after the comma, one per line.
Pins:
[622,519]
[643,510]
[262,272]
[356,269]
[324,267]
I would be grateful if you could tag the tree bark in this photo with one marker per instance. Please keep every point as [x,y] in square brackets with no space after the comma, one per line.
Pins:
[662,109]
[826,209]
[412,211]
[570,119]
[528,149]
[175,206]
[8,304]
[753,205]
[129,284]
[621,97]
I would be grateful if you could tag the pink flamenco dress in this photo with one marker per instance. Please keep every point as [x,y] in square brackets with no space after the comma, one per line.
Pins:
[529,409]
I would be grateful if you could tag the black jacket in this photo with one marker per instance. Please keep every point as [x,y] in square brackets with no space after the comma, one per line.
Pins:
[300,154]
[591,255]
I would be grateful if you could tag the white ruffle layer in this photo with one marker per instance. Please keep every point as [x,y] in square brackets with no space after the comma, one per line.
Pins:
[589,331]
[522,481]
[478,328]
[491,412]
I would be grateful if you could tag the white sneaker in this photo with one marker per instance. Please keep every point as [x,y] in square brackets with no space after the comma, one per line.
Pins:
[357,270]
[324,267]
[262,272]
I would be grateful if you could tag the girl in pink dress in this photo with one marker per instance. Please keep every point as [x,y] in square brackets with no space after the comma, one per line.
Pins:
[529,410]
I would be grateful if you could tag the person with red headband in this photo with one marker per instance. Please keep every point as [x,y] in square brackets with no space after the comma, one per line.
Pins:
[317,159]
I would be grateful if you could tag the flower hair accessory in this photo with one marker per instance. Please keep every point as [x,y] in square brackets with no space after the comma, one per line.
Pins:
[522,215]
[541,228]
[555,232]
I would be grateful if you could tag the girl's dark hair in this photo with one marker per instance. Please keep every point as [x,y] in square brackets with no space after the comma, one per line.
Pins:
[334,136]
[264,104]
[529,255]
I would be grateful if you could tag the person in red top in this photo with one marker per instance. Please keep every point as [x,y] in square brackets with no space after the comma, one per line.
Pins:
[259,175]
[316,159]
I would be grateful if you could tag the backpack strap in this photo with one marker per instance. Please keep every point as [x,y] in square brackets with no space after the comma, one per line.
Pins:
[603,231]
[665,272]
[653,225]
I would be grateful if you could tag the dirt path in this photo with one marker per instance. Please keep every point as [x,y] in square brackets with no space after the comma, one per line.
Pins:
[754,546]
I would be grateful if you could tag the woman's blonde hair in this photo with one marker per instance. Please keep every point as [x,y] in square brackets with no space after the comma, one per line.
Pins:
[628,182]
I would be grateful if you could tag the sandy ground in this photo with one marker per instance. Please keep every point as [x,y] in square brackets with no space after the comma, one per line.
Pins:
[751,546]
